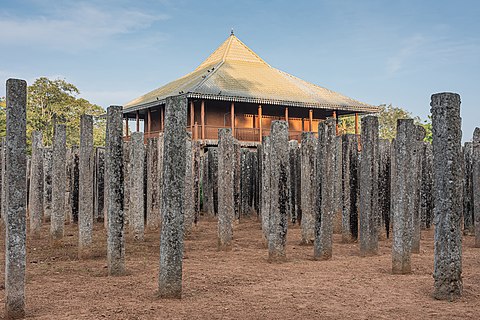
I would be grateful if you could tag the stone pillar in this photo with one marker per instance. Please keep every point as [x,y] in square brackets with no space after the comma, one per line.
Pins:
[196,180]
[2,181]
[244,182]
[467,189]
[226,201]
[160,173]
[324,195]
[85,187]
[278,191]
[213,180]
[403,193]
[75,183]
[68,186]
[427,185]
[137,160]
[447,175]
[58,183]
[35,204]
[309,187]
[47,183]
[416,168]
[349,188]
[476,184]
[114,172]
[153,185]
[189,218]
[174,162]
[127,183]
[99,184]
[237,178]
[384,160]
[205,180]
[16,199]
[293,151]
[368,209]
[266,183]
[337,185]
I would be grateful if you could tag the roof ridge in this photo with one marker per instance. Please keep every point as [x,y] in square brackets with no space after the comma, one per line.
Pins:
[215,69]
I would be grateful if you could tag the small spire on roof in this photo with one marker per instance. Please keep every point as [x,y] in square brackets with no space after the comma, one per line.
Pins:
[231,32]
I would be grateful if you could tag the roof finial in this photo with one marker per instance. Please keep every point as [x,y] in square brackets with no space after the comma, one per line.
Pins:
[231,32]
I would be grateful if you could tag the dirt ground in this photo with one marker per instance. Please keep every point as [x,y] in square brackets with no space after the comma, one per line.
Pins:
[240,284]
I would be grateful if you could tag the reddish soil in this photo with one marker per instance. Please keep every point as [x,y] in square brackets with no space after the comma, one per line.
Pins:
[240,284]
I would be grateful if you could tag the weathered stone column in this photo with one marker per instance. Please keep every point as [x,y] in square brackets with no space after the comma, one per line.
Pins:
[447,175]
[427,184]
[416,168]
[293,150]
[153,185]
[205,181]
[266,183]
[174,162]
[137,207]
[2,181]
[114,172]
[384,160]
[237,179]
[35,204]
[337,185]
[212,181]
[403,193]
[196,180]
[349,187]
[127,183]
[476,184]
[75,182]
[278,191]
[467,189]
[160,173]
[16,199]
[308,150]
[99,184]
[368,201]
[189,218]
[325,191]
[226,202]
[85,187]
[58,183]
[47,183]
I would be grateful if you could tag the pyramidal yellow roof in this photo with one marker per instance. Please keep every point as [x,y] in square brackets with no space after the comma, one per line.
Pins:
[233,72]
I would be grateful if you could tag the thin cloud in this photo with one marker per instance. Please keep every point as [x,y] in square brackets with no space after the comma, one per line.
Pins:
[74,26]
[409,48]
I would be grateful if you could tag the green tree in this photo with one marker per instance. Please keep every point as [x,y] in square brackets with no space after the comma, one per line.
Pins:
[427,124]
[55,101]
[387,120]
[346,125]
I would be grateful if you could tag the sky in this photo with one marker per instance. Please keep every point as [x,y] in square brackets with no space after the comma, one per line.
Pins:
[376,51]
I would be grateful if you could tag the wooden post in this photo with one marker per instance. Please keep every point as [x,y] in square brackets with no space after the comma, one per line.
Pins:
[336,122]
[310,119]
[137,119]
[286,114]
[202,118]
[260,122]
[149,121]
[126,126]
[232,118]
[192,114]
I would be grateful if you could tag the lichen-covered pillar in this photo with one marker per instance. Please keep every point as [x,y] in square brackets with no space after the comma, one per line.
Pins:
[99,184]
[266,181]
[349,187]
[35,203]
[85,187]
[324,196]
[205,180]
[226,186]
[384,159]
[57,220]
[114,172]
[47,183]
[368,200]
[403,192]
[153,185]
[416,168]
[476,184]
[212,181]
[127,183]
[244,182]
[137,160]
[189,218]
[68,186]
[160,172]
[337,185]
[174,162]
[427,185]
[308,151]
[447,175]
[16,199]
[278,191]
[293,150]
[237,178]
[196,180]
[468,227]
[75,182]
[2,180]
